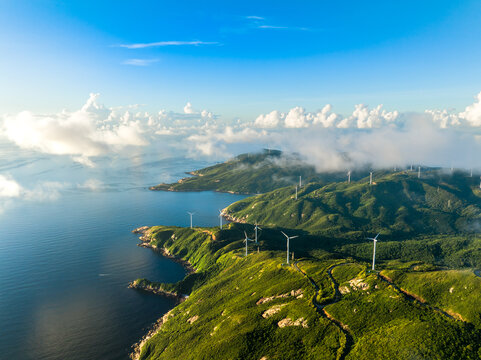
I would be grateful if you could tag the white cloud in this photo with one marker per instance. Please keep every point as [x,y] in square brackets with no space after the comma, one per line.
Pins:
[91,131]
[139,62]
[270,120]
[188,109]
[9,188]
[44,191]
[296,118]
[166,43]
[271,27]
[472,113]
[253,17]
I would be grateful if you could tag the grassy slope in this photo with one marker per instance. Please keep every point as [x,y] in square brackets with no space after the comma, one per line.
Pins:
[254,173]
[229,324]
[224,294]
[454,291]
[399,204]
[417,219]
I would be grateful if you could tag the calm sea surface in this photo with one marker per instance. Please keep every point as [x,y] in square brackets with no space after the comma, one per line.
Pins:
[67,253]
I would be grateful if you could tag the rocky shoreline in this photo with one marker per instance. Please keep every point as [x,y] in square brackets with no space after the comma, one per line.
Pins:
[156,290]
[137,347]
[145,241]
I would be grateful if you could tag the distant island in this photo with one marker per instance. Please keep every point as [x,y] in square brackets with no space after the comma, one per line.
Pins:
[324,302]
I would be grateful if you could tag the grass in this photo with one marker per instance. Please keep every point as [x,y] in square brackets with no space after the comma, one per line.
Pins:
[255,173]
[454,291]
[426,228]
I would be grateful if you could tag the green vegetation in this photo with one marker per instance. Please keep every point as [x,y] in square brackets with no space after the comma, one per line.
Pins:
[327,304]
[454,291]
[398,205]
[254,174]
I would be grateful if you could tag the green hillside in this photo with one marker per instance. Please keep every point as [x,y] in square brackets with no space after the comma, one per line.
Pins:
[397,205]
[255,307]
[326,304]
[255,173]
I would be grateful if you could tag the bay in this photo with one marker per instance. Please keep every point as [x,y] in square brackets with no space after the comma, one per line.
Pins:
[67,256]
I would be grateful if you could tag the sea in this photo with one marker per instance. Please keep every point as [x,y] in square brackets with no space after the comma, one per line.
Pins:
[67,253]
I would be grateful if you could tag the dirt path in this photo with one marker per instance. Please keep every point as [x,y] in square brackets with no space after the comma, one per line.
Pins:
[416,299]
[343,351]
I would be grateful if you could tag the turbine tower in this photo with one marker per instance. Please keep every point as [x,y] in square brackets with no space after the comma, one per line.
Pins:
[220,218]
[296,192]
[288,238]
[190,213]
[370,178]
[255,228]
[300,181]
[419,172]
[374,239]
[349,177]
[246,240]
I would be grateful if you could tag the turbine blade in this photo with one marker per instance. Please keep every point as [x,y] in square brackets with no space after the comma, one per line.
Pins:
[293,237]
[284,233]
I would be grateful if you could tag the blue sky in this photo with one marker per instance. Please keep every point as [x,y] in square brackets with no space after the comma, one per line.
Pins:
[240,60]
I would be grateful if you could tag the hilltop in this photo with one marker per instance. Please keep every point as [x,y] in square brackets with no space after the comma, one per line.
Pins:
[396,204]
[256,173]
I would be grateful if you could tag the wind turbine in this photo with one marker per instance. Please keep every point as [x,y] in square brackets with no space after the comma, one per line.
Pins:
[419,172]
[296,192]
[255,228]
[300,181]
[349,177]
[370,178]
[374,252]
[288,238]
[220,218]
[246,241]
[190,213]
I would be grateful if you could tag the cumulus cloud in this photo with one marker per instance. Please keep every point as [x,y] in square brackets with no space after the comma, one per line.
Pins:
[270,120]
[297,117]
[472,113]
[91,131]
[367,137]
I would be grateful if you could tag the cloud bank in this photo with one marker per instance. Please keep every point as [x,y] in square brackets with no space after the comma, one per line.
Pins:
[329,140]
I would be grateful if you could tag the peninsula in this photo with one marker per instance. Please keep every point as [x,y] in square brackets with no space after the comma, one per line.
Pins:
[326,303]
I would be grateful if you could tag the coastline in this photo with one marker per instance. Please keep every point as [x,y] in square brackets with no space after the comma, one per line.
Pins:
[145,240]
[137,347]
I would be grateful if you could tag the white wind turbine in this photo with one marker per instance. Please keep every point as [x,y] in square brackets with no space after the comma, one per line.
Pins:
[246,240]
[296,192]
[370,178]
[419,172]
[255,228]
[190,213]
[220,218]
[349,177]
[300,181]
[374,252]
[288,238]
